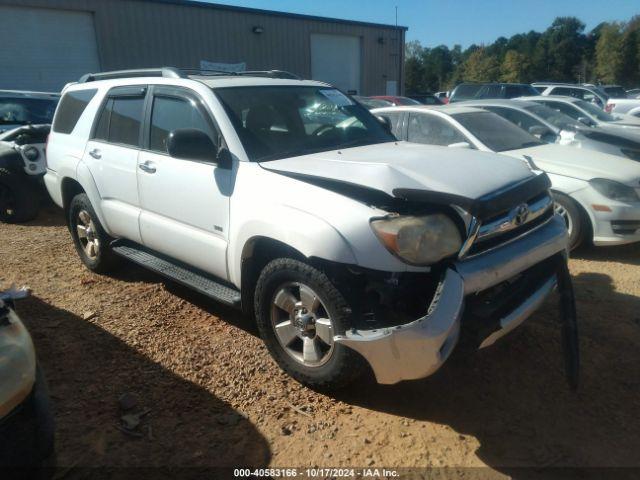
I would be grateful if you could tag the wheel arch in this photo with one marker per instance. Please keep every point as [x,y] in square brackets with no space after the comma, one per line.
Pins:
[587,218]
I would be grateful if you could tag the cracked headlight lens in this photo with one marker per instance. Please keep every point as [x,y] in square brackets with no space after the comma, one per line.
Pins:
[419,240]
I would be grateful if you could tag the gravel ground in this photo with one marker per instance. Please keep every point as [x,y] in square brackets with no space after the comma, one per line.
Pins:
[216,398]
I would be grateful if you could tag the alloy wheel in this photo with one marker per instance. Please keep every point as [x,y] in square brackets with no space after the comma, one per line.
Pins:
[302,324]
[87,235]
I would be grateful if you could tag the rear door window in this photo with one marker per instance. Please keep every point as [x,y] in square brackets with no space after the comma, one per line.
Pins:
[70,109]
[120,120]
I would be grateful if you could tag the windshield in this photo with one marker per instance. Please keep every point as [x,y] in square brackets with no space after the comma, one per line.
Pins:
[615,92]
[464,92]
[555,118]
[23,111]
[593,110]
[286,121]
[495,132]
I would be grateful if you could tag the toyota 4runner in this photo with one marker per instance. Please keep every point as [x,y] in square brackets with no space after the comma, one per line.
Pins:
[288,199]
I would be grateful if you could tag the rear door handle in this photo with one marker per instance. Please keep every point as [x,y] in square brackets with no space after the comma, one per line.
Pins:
[95,153]
[147,167]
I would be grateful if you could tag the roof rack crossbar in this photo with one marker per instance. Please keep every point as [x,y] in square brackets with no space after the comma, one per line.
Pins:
[166,72]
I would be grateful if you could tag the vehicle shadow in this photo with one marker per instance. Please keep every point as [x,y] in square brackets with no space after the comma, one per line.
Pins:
[629,254]
[88,369]
[130,272]
[513,397]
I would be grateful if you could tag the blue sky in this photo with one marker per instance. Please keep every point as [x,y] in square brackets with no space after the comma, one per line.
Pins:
[460,21]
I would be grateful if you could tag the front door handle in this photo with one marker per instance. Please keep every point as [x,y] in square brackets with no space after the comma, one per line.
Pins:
[147,167]
[95,153]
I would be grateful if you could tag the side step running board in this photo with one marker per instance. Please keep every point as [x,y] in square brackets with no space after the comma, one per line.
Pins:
[180,273]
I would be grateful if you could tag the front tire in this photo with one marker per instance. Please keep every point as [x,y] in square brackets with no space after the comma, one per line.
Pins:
[569,211]
[299,311]
[19,200]
[89,237]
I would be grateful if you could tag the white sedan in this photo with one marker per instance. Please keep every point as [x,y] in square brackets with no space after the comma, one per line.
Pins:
[598,194]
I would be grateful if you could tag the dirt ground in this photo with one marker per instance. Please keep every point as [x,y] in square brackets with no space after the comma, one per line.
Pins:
[216,398]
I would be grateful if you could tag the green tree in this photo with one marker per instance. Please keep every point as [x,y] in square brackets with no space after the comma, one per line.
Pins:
[480,67]
[610,54]
[564,43]
[514,67]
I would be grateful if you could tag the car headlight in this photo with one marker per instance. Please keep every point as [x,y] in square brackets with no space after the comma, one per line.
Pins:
[17,361]
[614,190]
[419,240]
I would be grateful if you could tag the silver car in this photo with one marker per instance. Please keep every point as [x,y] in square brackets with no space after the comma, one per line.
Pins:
[553,126]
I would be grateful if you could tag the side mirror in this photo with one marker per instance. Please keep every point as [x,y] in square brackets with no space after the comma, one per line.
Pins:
[538,130]
[192,144]
[460,145]
[386,123]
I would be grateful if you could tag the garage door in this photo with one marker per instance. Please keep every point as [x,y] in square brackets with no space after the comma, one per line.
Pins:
[42,49]
[336,59]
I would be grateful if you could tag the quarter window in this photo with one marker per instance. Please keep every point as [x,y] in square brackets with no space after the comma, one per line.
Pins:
[70,109]
[432,130]
[120,121]
[171,113]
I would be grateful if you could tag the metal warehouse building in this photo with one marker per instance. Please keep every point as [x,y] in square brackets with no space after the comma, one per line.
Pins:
[47,43]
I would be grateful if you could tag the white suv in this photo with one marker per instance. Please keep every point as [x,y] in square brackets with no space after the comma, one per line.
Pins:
[286,198]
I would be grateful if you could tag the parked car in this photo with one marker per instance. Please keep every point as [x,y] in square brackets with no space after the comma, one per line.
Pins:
[614,91]
[22,167]
[590,94]
[552,126]
[369,102]
[469,91]
[597,194]
[26,418]
[347,246]
[628,106]
[426,99]
[633,93]
[589,114]
[396,100]
[19,108]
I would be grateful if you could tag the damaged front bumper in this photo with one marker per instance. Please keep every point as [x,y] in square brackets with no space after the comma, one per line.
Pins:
[419,348]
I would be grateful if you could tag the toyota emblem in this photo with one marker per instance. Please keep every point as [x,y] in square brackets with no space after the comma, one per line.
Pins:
[520,214]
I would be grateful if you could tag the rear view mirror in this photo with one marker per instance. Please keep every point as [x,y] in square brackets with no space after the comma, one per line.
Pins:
[192,144]
[586,120]
[538,130]
[459,145]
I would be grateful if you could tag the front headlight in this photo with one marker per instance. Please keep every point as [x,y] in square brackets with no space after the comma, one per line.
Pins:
[419,240]
[614,190]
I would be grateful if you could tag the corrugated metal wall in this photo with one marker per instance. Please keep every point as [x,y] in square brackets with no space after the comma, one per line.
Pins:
[135,33]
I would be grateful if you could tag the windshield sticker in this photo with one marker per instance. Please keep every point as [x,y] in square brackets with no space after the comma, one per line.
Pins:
[337,97]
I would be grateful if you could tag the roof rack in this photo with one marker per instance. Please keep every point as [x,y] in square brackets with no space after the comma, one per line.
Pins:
[172,72]
[248,73]
[166,72]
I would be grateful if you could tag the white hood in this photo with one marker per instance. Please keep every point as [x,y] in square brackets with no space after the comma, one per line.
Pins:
[401,165]
[581,163]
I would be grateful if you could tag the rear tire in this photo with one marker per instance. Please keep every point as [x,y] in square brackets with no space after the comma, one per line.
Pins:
[91,241]
[314,311]
[19,200]
[570,212]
